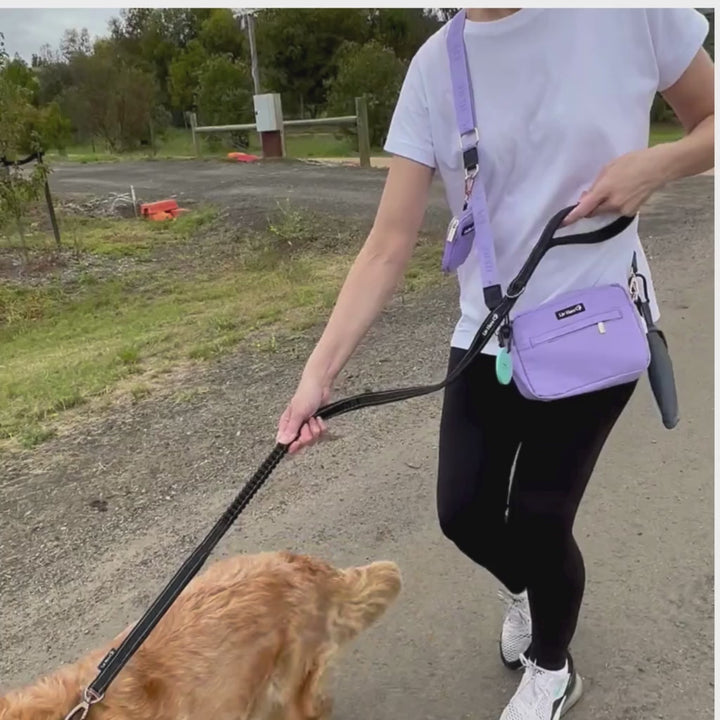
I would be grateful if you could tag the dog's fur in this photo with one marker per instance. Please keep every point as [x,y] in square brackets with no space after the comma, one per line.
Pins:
[249,639]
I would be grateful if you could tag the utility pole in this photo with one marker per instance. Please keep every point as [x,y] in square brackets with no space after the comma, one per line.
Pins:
[268,110]
[247,19]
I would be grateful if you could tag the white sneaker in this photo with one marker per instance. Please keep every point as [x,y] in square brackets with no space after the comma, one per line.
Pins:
[544,694]
[516,628]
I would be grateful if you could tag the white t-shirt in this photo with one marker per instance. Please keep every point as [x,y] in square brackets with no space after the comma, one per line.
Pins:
[558,94]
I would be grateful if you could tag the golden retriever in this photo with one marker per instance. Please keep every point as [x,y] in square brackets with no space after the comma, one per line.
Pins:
[251,638]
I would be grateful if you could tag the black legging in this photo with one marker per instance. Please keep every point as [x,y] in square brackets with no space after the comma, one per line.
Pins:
[485,426]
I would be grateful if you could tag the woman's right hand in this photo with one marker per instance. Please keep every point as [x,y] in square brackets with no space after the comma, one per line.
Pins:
[298,427]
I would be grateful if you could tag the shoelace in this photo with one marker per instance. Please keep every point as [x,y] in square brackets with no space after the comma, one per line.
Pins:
[537,677]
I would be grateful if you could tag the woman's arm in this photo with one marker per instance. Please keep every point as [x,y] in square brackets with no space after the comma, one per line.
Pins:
[692,98]
[377,269]
[370,283]
[627,182]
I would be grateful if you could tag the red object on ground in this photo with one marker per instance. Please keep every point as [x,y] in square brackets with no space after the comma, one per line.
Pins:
[242,157]
[161,210]
[160,216]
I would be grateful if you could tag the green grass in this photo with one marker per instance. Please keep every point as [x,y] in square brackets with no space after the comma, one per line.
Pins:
[113,239]
[63,345]
[177,143]
[660,133]
[78,344]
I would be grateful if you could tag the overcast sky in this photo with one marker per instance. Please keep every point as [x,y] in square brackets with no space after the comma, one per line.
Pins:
[27,30]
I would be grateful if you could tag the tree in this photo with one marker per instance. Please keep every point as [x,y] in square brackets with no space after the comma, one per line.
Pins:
[16,111]
[166,50]
[403,30]
[75,43]
[445,14]
[29,127]
[18,189]
[53,77]
[53,128]
[710,39]
[45,56]
[184,74]
[371,70]
[110,97]
[299,47]
[18,73]
[224,92]
[224,95]
[151,38]
[220,34]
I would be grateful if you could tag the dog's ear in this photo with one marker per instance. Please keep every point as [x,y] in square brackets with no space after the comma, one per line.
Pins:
[365,593]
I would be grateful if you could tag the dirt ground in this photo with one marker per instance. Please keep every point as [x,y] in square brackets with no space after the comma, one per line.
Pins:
[248,191]
[91,526]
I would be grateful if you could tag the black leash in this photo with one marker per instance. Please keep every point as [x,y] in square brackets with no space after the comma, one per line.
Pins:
[116,659]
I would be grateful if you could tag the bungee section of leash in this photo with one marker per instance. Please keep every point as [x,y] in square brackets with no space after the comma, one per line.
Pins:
[116,659]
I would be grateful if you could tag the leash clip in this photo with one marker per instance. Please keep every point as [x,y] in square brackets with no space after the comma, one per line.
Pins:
[634,287]
[638,288]
[470,175]
[81,710]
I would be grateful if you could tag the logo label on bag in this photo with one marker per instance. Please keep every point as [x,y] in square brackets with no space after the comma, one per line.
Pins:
[570,311]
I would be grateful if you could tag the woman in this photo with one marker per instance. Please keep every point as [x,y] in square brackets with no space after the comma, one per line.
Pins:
[562,100]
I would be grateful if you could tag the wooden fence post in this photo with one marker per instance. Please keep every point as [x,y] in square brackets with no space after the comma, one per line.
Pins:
[193,125]
[51,207]
[363,131]
[152,137]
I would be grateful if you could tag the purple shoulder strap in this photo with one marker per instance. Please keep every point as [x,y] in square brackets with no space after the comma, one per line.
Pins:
[469,140]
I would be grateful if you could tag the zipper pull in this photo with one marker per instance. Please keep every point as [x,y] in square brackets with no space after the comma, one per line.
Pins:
[452,229]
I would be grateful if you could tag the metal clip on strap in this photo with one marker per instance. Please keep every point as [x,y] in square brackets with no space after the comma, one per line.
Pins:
[81,710]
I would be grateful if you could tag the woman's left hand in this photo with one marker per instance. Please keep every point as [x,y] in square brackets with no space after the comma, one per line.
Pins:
[623,185]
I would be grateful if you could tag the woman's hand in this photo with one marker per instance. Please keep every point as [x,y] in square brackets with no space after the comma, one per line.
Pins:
[624,185]
[628,181]
[297,426]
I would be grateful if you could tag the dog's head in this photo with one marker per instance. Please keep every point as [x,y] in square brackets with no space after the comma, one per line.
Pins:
[363,595]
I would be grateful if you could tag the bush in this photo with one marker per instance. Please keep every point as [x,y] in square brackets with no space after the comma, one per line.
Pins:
[371,70]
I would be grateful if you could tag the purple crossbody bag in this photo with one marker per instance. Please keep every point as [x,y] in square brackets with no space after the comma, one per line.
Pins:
[578,342]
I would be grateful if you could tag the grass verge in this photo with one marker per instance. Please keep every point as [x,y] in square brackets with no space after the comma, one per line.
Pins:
[63,343]
[177,143]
